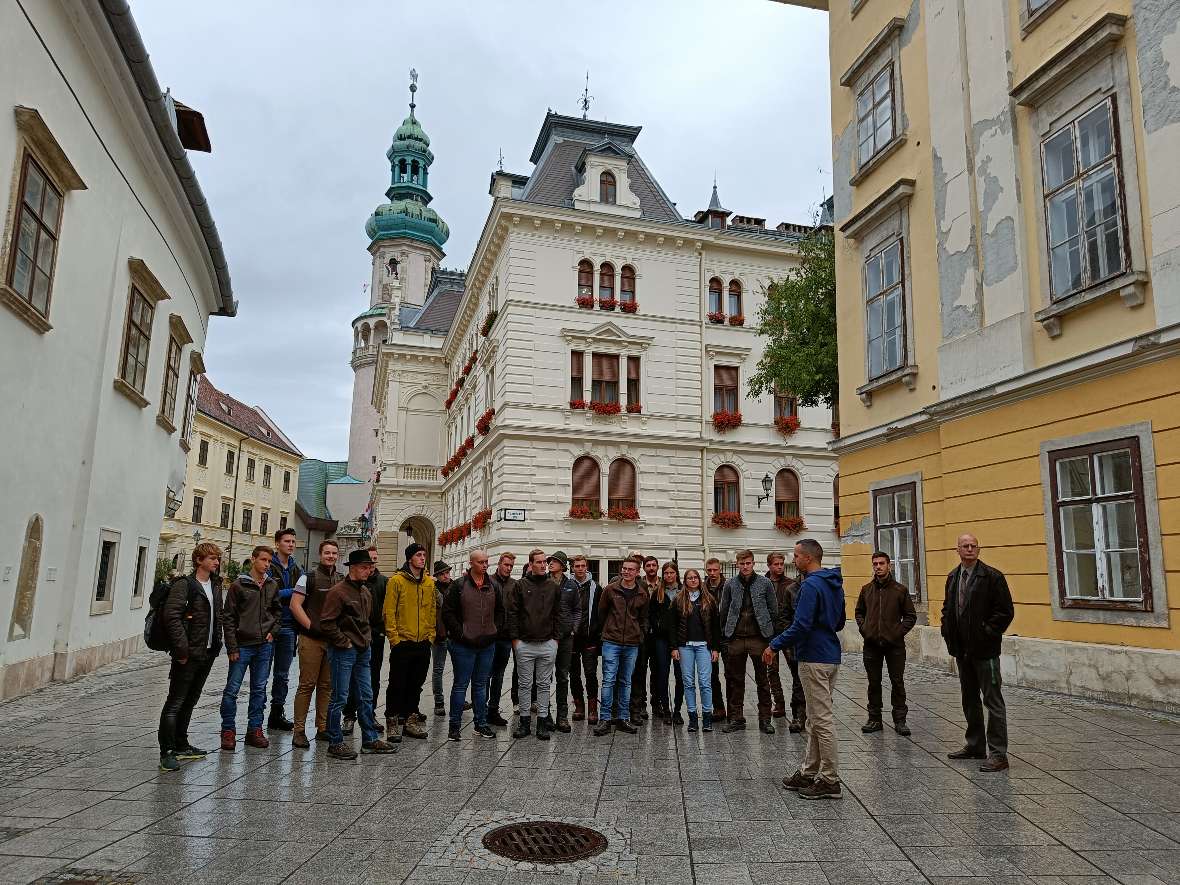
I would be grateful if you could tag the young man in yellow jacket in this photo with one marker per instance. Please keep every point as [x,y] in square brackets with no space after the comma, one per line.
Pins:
[409,623]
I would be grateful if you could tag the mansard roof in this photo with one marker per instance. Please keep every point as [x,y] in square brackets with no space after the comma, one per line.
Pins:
[442,302]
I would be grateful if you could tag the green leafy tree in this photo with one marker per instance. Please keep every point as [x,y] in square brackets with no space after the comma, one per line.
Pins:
[798,321]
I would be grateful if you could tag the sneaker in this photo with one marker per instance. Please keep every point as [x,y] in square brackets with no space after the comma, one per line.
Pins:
[765,726]
[734,725]
[901,728]
[873,725]
[626,727]
[821,790]
[453,734]
[348,726]
[300,741]
[414,729]
[494,718]
[168,762]
[228,740]
[439,709]
[797,781]
[279,722]
[484,731]
[602,728]
[692,723]
[255,738]
[377,746]
[563,726]
[191,752]
[341,751]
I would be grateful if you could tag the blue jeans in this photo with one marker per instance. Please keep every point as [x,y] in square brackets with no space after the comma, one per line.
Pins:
[500,661]
[618,661]
[284,653]
[257,658]
[696,664]
[473,666]
[350,672]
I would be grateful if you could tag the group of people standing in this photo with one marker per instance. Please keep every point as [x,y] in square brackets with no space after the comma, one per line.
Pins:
[658,637]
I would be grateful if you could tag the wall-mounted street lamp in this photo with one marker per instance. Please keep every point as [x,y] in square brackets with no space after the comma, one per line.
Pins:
[767,482]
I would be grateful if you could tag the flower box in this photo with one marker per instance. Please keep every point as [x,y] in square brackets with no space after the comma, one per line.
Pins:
[787,424]
[469,443]
[716,318]
[728,520]
[607,303]
[737,320]
[585,301]
[581,511]
[484,424]
[605,408]
[790,525]
[634,408]
[723,421]
[629,306]
[480,521]
[577,404]
[623,514]
[488,322]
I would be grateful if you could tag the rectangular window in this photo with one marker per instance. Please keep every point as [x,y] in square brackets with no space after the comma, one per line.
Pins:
[141,556]
[171,379]
[103,600]
[266,476]
[604,384]
[1101,526]
[34,244]
[203,453]
[632,379]
[250,470]
[874,116]
[198,509]
[577,362]
[896,526]
[490,390]
[263,522]
[785,405]
[226,514]
[282,521]
[190,407]
[137,340]
[247,519]
[229,463]
[1083,202]
[725,388]
[286,481]
[885,297]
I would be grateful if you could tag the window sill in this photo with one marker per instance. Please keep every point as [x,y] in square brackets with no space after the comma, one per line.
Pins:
[877,160]
[1131,287]
[23,309]
[131,393]
[603,521]
[163,421]
[102,608]
[907,375]
[1029,22]
[1134,614]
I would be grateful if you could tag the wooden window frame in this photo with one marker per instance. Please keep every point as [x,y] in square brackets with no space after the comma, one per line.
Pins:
[108,579]
[608,188]
[198,509]
[282,521]
[594,503]
[286,482]
[227,515]
[626,278]
[247,520]
[266,476]
[141,332]
[725,397]
[913,523]
[251,469]
[881,295]
[871,115]
[263,522]
[577,378]
[634,391]
[785,405]
[203,453]
[40,227]
[139,587]
[716,296]
[735,298]
[190,408]
[603,390]
[606,271]
[797,500]
[585,278]
[1135,496]
[230,462]
[727,491]
[171,383]
[612,501]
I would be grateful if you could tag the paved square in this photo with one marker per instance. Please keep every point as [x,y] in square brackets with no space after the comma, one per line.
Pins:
[1093,796]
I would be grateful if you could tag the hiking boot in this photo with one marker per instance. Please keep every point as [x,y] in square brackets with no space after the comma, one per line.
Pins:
[191,752]
[871,726]
[719,713]
[393,729]
[494,718]
[228,740]
[901,728]
[544,726]
[466,706]
[692,722]
[279,722]
[821,790]
[796,725]
[440,709]
[563,725]
[523,729]
[602,728]
[706,722]
[453,734]
[341,751]
[322,737]
[414,729]
[592,715]
[484,731]
[347,727]
[734,725]
[579,711]
[994,764]
[168,762]
[797,781]
[967,753]
[378,746]
[255,738]
[626,727]
[778,712]
[300,741]
[765,726]
[378,726]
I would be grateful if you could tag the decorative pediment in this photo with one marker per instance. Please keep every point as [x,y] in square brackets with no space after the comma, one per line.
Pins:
[605,148]
[606,337]
[727,351]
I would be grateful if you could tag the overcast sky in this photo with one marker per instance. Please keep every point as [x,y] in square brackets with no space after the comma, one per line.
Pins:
[302,98]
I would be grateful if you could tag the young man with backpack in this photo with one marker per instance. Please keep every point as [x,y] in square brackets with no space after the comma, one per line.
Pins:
[249,618]
[190,618]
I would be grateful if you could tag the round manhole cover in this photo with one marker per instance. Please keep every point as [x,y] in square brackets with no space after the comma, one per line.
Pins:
[545,841]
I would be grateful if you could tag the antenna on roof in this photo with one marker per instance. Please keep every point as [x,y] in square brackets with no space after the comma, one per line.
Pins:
[413,89]
[501,159]
[586,98]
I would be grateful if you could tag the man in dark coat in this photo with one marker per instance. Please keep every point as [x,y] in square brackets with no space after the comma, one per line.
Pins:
[884,615]
[976,610]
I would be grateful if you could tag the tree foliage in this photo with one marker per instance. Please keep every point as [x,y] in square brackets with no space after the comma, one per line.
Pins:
[798,322]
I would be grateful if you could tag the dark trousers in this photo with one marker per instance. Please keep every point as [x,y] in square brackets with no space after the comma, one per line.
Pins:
[496,683]
[185,682]
[798,701]
[718,694]
[376,656]
[285,644]
[565,654]
[585,663]
[409,664]
[638,701]
[893,657]
[660,662]
[981,677]
[736,653]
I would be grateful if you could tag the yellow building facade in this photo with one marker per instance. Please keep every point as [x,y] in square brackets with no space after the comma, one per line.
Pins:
[1008,268]
[241,482]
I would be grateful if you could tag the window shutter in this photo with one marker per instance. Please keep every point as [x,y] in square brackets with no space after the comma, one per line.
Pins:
[725,473]
[621,480]
[632,368]
[586,478]
[577,361]
[786,486]
[725,376]
[606,367]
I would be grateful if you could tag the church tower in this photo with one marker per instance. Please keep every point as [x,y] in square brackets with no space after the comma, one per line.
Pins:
[406,238]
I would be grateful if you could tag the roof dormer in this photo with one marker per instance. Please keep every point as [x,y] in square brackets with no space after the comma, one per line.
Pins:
[604,183]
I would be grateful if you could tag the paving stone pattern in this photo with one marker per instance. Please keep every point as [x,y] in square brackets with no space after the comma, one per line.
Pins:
[1093,797]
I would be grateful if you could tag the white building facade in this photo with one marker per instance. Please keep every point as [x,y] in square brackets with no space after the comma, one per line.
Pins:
[571,401]
[110,267]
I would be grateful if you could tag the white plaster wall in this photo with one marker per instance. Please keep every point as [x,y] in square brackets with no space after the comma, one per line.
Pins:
[363,438]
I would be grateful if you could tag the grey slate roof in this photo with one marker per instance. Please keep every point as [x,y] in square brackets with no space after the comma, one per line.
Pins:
[442,302]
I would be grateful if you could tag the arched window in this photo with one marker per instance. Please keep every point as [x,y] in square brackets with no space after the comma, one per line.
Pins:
[414,171]
[735,298]
[401,169]
[365,334]
[26,580]
[380,332]
[606,187]
[786,494]
[587,491]
[621,484]
[627,284]
[725,490]
[585,278]
[606,281]
[715,295]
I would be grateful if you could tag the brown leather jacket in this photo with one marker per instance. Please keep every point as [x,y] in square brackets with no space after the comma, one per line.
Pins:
[885,613]
[620,615]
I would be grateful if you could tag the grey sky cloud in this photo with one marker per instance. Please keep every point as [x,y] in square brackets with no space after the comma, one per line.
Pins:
[302,98]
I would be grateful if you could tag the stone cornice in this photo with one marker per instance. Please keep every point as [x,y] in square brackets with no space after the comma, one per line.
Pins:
[729,351]
[607,336]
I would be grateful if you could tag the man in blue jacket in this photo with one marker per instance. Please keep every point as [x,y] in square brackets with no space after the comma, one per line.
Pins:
[814,639]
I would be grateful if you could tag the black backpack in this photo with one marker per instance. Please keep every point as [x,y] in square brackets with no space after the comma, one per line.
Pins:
[155,636]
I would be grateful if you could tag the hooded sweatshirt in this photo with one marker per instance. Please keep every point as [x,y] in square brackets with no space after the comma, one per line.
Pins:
[819,618]
[410,610]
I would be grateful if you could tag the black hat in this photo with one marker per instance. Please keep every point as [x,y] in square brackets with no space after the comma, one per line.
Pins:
[441,568]
[359,557]
[413,549]
[560,557]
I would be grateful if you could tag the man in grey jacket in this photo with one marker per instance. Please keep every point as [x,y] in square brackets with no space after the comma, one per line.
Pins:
[570,615]
[749,615]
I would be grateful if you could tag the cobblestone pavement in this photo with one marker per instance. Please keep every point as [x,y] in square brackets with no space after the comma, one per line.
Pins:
[1093,796]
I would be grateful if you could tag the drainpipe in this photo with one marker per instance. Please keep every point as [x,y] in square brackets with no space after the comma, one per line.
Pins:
[704,398]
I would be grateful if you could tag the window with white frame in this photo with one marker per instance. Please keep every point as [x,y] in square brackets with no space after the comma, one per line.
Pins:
[103,599]
[874,116]
[895,520]
[885,306]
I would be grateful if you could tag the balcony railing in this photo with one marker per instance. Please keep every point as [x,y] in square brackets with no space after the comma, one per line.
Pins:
[417,473]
